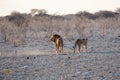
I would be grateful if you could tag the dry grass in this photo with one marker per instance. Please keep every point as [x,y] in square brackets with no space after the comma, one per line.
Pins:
[16,28]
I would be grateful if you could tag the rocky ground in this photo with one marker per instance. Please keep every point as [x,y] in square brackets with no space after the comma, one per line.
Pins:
[38,61]
[81,66]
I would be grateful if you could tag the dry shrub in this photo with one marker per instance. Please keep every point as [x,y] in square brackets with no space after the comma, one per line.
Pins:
[14,29]
[67,26]
[15,26]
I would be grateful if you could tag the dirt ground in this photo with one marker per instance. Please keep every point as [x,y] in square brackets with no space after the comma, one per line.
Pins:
[80,66]
[38,61]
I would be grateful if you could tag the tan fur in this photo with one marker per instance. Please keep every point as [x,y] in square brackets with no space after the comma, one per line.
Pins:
[57,39]
[80,43]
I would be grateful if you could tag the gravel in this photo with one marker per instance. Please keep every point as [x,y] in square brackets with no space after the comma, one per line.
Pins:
[78,66]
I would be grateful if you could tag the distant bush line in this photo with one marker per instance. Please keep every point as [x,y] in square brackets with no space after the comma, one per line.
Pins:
[17,27]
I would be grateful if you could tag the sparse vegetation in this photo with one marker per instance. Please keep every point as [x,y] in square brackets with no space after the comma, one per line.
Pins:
[17,27]
[14,28]
[37,60]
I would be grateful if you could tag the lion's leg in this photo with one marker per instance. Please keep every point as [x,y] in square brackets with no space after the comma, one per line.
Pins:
[62,49]
[79,47]
[59,49]
[60,46]
[82,48]
[56,48]
[86,47]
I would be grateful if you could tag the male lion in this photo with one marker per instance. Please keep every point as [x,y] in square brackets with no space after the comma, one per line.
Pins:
[57,39]
[80,43]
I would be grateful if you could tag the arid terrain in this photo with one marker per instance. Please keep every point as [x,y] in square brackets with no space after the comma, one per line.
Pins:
[26,52]
[38,61]
[84,66]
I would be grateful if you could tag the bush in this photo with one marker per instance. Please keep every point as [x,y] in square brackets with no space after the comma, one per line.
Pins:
[86,15]
[105,14]
[14,28]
